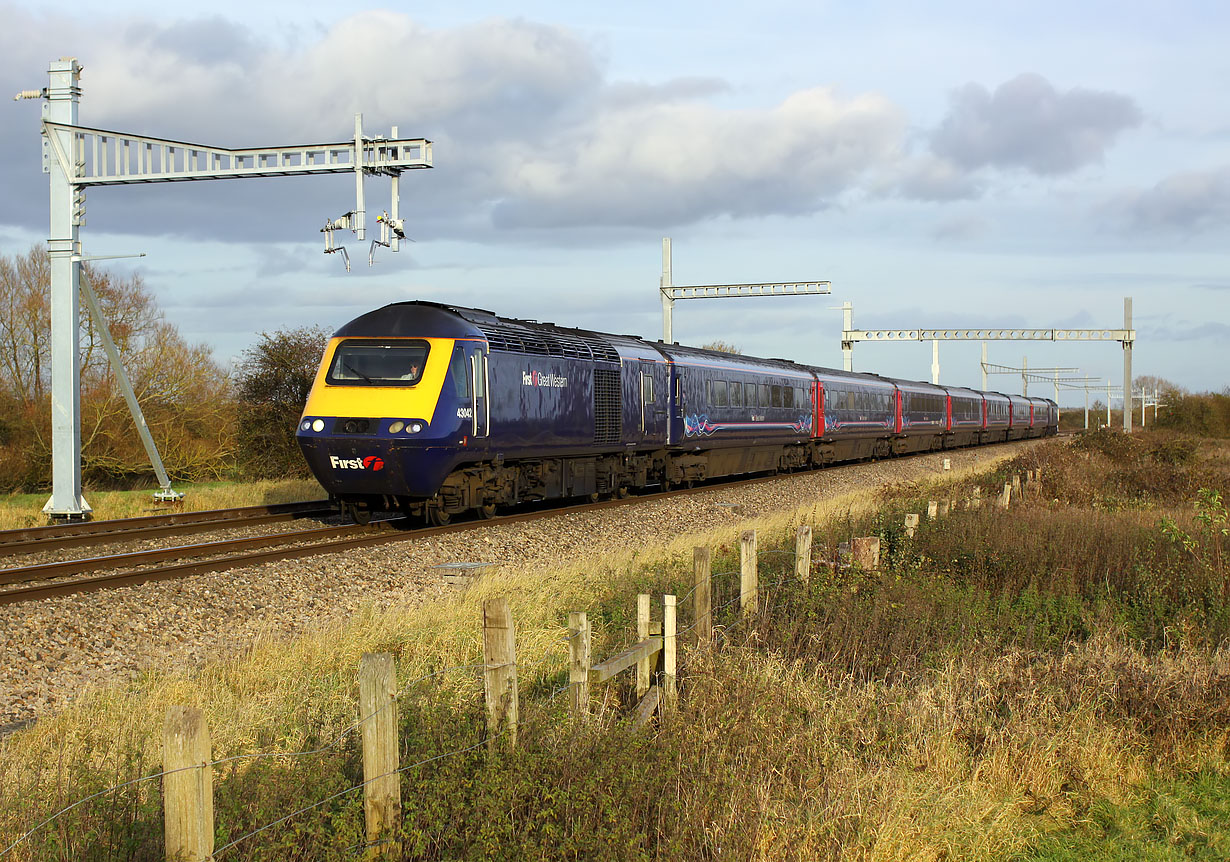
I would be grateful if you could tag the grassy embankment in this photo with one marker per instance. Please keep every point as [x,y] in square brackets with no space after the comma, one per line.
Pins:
[25,510]
[1049,684]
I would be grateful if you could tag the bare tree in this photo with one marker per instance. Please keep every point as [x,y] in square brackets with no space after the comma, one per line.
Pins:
[182,390]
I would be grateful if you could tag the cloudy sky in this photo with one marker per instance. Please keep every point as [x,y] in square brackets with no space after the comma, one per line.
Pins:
[948,164]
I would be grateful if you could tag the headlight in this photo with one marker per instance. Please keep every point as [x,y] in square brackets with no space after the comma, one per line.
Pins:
[318,425]
[416,427]
[307,423]
[396,426]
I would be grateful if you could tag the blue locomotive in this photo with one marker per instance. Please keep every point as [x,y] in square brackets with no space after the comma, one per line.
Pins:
[436,410]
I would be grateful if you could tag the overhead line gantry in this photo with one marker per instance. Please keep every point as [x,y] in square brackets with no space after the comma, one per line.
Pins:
[76,157]
[1125,336]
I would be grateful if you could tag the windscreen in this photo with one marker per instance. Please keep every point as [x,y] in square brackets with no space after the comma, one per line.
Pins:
[364,362]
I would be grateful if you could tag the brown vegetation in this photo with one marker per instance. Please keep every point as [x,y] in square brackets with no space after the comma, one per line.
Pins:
[1001,677]
[183,392]
[206,425]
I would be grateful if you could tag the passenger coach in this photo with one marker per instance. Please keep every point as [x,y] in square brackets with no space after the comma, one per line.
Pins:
[435,410]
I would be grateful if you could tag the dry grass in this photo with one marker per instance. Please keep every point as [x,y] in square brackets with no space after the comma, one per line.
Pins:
[25,510]
[918,714]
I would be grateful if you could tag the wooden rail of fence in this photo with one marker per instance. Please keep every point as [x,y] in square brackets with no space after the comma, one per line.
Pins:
[188,776]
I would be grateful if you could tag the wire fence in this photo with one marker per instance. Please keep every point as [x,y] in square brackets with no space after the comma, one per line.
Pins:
[722,633]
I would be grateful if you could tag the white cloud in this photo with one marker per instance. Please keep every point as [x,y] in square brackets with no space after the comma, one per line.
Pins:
[529,131]
[663,164]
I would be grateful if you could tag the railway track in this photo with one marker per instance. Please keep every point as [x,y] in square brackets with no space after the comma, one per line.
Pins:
[47,580]
[58,536]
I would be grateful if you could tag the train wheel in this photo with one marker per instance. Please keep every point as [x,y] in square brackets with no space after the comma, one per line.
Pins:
[361,514]
[621,492]
[486,512]
[438,517]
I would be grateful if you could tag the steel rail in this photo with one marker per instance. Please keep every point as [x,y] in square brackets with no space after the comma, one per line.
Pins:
[354,536]
[125,529]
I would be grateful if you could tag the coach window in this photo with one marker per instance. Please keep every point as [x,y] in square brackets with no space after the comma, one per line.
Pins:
[775,395]
[749,394]
[736,394]
[787,396]
[719,393]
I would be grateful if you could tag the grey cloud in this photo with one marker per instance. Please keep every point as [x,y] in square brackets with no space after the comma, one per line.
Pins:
[927,178]
[1192,201]
[1026,123]
[529,133]
[207,41]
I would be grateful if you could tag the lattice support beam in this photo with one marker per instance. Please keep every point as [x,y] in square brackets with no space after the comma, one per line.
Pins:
[77,157]
[670,292]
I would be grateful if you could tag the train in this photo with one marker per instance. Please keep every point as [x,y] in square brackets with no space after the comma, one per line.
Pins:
[436,410]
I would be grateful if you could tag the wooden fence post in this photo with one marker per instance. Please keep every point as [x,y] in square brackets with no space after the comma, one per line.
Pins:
[500,675]
[670,628]
[749,580]
[1016,485]
[579,661]
[945,508]
[911,524]
[702,594]
[933,510]
[802,553]
[867,552]
[188,789]
[643,670]
[947,464]
[378,728]
[1005,496]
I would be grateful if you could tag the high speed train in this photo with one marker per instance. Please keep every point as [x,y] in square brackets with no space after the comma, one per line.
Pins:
[436,410]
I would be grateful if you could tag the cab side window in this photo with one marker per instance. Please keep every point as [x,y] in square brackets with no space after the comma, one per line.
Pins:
[459,370]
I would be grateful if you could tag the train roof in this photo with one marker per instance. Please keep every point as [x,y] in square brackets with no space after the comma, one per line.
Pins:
[423,318]
[501,333]
[683,352]
[408,320]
